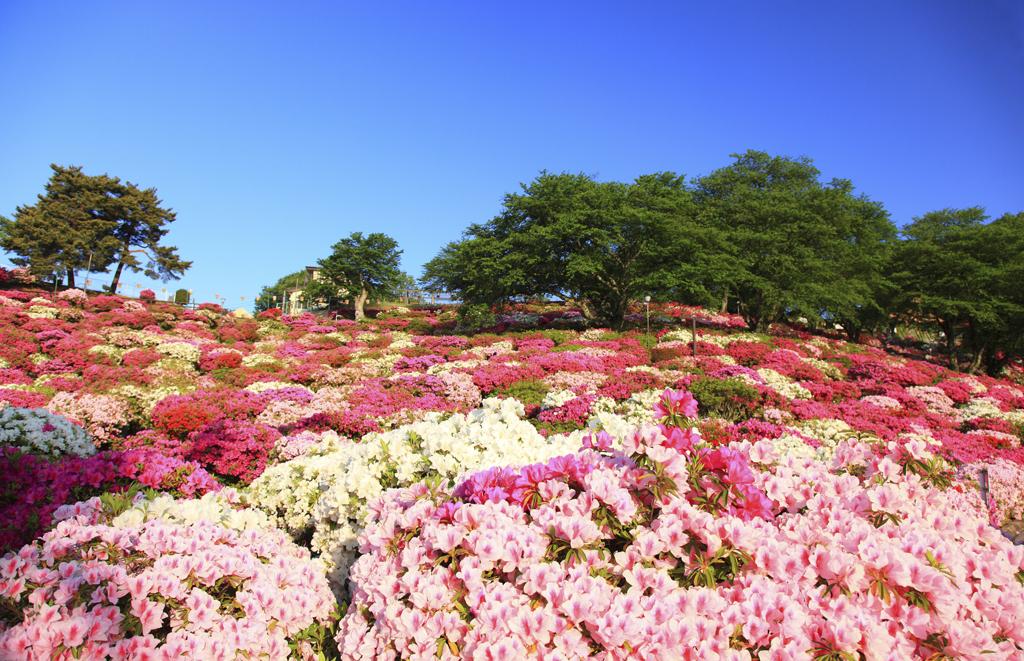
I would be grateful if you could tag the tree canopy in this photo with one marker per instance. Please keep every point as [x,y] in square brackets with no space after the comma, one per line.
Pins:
[763,231]
[92,222]
[964,275]
[569,237]
[360,267]
[791,244]
[273,295]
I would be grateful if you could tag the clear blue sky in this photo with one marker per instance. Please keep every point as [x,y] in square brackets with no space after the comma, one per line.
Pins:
[274,128]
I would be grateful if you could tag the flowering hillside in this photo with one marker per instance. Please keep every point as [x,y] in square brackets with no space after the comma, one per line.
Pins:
[200,484]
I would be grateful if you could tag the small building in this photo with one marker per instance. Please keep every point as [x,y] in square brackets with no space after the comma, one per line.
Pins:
[294,298]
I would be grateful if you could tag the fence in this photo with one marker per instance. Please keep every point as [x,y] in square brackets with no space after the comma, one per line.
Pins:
[412,296]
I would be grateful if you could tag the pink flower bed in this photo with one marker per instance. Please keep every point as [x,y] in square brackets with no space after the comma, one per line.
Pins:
[822,503]
[93,590]
[671,545]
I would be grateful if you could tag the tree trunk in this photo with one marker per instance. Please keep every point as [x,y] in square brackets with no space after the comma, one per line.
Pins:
[358,302]
[618,313]
[725,303]
[977,349]
[117,277]
[752,320]
[71,278]
[950,330]
[587,309]
[977,361]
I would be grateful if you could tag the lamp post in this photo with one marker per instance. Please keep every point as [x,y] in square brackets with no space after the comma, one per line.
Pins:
[88,270]
[647,310]
[693,331]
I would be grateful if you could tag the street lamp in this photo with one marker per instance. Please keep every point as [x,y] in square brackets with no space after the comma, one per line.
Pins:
[647,309]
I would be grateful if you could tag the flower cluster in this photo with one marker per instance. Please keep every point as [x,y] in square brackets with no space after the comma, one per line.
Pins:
[92,588]
[630,555]
[327,491]
[545,492]
[42,432]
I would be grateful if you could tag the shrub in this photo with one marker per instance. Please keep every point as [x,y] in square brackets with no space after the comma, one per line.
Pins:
[228,594]
[41,432]
[673,545]
[732,399]
[419,326]
[234,449]
[180,415]
[33,487]
[474,316]
[530,392]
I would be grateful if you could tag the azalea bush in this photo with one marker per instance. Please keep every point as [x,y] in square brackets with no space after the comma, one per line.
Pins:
[804,509]
[41,432]
[327,492]
[93,589]
[669,544]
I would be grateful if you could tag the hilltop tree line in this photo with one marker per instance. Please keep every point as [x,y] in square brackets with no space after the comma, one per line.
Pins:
[764,237]
[92,223]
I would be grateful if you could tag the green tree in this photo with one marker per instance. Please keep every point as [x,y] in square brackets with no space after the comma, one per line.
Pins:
[140,224]
[360,267]
[92,222]
[600,245]
[67,229]
[272,296]
[940,279]
[1001,245]
[962,275]
[182,297]
[786,244]
[406,288]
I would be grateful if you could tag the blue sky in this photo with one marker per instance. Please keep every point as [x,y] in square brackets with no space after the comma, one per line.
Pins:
[273,129]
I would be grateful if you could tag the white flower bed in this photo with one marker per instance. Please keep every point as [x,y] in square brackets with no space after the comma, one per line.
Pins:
[42,432]
[330,489]
[220,507]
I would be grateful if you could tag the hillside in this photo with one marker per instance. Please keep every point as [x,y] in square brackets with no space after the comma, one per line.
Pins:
[803,493]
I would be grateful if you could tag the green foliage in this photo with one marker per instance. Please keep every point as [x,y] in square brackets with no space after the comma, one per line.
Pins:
[732,399]
[92,222]
[116,503]
[474,316]
[763,231]
[564,427]
[709,569]
[527,391]
[646,341]
[558,336]
[273,295]
[419,327]
[571,238]
[963,276]
[182,297]
[360,267]
[789,245]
